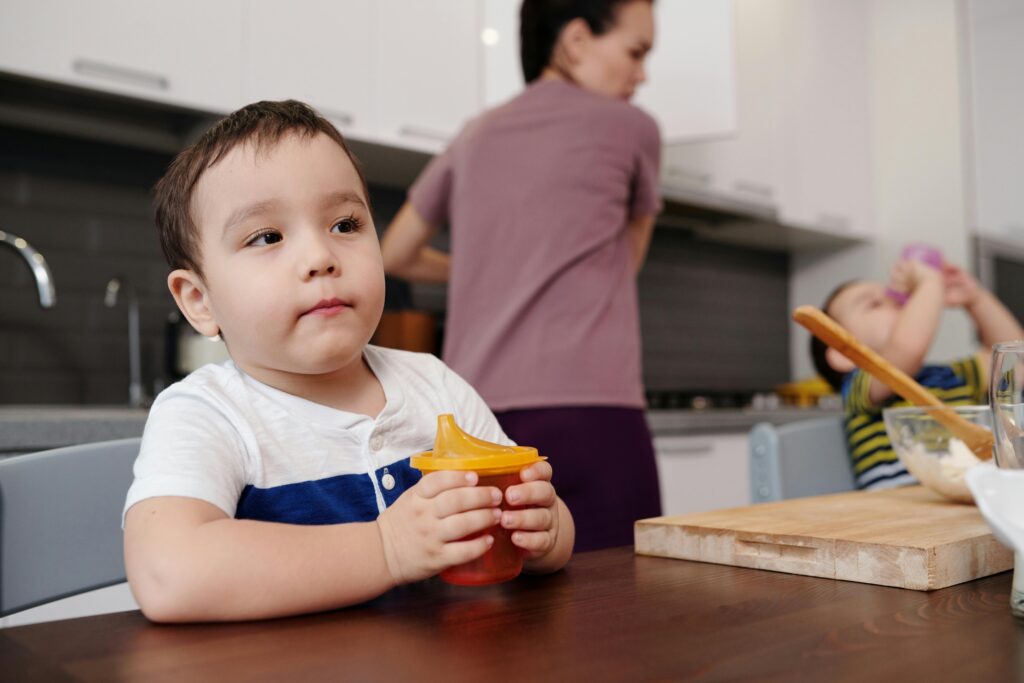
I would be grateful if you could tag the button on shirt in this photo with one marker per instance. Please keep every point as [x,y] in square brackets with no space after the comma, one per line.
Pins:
[258,453]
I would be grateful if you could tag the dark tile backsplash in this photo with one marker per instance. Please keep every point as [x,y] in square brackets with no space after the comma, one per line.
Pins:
[714,317]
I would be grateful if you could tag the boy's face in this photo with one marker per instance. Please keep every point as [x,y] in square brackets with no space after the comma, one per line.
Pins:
[867,312]
[292,268]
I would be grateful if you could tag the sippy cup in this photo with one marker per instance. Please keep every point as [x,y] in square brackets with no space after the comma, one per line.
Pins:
[496,465]
[925,253]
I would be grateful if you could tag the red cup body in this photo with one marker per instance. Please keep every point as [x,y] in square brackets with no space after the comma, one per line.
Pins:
[503,561]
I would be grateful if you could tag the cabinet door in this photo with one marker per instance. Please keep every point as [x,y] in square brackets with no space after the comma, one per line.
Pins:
[186,53]
[502,65]
[690,86]
[698,473]
[317,51]
[745,165]
[996,41]
[427,57]
[827,175]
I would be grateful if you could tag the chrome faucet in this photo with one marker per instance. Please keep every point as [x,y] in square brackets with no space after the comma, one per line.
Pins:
[136,397]
[36,262]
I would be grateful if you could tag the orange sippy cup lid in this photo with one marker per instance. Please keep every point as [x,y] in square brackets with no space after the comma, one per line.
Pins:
[454,449]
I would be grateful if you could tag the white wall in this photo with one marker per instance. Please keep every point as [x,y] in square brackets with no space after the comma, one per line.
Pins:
[918,167]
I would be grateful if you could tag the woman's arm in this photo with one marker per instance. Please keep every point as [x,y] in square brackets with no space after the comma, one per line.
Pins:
[405,250]
[639,233]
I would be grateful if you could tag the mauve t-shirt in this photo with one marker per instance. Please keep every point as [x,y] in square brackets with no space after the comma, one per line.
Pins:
[542,302]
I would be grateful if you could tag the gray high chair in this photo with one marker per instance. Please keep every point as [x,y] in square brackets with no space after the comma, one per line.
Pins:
[60,522]
[805,458]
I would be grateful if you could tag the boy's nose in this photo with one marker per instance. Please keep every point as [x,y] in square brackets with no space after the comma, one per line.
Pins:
[320,260]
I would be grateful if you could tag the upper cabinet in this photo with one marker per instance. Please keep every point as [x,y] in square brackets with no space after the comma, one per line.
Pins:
[331,69]
[825,132]
[186,53]
[426,67]
[690,84]
[996,57]
[745,165]
[801,145]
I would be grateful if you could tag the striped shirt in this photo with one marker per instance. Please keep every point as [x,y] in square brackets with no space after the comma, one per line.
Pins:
[258,453]
[875,464]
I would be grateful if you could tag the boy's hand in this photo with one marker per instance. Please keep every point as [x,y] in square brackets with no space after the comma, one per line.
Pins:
[421,530]
[536,528]
[961,288]
[906,276]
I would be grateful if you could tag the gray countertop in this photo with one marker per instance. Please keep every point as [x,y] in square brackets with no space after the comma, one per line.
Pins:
[24,429]
[717,420]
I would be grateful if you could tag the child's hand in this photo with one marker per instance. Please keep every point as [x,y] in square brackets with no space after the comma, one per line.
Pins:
[907,276]
[961,288]
[421,530]
[536,528]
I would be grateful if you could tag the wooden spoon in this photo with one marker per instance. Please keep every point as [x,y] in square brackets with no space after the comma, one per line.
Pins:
[976,437]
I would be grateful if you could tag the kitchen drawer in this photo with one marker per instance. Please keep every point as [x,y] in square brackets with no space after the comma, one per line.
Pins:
[705,472]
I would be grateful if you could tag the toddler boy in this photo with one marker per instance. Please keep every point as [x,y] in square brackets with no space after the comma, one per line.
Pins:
[278,482]
[902,334]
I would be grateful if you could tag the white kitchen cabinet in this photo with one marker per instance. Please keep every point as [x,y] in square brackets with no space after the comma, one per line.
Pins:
[996,57]
[691,88]
[426,70]
[802,142]
[317,51]
[826,160]
[186,53]
[745,165]
[502,65]
[703,472]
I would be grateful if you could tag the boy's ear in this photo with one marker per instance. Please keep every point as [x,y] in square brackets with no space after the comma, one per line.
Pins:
[838,361]
[189,293]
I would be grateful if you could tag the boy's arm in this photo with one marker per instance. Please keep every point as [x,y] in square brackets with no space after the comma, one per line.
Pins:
[188,561]
[918,320]
[406,252]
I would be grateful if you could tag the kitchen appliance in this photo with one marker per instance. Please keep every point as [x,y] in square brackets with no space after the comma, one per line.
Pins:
[187,350]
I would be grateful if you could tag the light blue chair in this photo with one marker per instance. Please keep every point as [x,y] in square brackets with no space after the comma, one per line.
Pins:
[60,522]
[804,458]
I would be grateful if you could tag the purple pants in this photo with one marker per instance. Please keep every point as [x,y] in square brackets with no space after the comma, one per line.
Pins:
[603,463]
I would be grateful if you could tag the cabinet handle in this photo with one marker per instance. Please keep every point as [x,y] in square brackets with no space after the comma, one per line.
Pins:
[122,74]
[756,189]
[341,117]
[417,132]
[701,177]
[695,449]
[834,221]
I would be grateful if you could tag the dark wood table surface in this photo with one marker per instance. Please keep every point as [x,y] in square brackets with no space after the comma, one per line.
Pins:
[610,616]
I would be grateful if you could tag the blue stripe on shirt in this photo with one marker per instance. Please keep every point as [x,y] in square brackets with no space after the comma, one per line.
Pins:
[333,500]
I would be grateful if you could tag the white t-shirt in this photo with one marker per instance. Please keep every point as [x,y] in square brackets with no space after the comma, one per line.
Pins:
[258,453]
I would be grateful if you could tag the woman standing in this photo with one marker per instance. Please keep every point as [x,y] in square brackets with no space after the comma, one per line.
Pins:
[551,199]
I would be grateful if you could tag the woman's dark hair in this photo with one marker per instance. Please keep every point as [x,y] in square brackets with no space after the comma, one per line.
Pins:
[818,347]
[541,22]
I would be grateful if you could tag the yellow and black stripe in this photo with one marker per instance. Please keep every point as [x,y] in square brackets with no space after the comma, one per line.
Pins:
[871,455]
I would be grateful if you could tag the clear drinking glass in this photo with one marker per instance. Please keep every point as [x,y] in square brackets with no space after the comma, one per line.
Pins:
[1006,396]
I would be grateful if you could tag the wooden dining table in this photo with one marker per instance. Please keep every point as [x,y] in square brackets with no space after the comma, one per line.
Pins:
[609,616]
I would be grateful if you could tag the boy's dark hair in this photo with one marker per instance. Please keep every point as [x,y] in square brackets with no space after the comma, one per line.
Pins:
[818,347]
[262,123]
[541,22]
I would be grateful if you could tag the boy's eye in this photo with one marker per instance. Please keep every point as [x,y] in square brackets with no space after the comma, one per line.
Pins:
[264,238]
[350,224]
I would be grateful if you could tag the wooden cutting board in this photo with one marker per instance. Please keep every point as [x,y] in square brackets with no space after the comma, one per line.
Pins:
[907,537]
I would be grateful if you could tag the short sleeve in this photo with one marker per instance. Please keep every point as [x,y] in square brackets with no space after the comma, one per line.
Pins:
[431,191]
[646,190]
[856,394]
[471,413]
[191,449]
